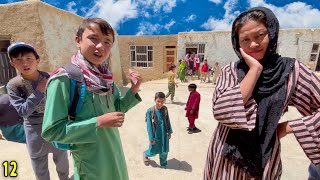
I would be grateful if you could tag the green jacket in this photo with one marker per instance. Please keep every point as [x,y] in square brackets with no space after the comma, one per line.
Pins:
[97,152]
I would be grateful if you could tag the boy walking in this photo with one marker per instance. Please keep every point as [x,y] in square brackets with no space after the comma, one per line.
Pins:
[192,108]
[93,132]
[26,94]
[159,131]
[171,82]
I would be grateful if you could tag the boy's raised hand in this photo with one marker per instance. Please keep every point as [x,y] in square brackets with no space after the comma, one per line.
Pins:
[41,87]
[110,120]
[135,80]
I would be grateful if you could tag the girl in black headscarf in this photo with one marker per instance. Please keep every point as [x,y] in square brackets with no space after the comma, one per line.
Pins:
[250,97]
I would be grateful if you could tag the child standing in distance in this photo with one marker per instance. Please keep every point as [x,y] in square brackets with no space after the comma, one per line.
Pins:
[93,134]
[192,108]
[204,72]
[171,82]
[26,94]
[159,130]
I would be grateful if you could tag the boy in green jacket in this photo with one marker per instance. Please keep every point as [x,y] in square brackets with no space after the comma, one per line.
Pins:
[94,136]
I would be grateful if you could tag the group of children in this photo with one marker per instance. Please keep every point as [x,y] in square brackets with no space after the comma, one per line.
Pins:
[45,104]
[158,121]
[53,113]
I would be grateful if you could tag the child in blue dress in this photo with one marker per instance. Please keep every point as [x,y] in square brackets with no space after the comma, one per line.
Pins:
[159,130]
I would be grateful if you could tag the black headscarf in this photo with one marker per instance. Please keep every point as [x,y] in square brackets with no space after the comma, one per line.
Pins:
[251,149]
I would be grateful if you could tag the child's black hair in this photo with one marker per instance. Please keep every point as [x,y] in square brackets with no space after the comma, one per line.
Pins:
[104,26]
[159,95]
[194,86]
[22,50]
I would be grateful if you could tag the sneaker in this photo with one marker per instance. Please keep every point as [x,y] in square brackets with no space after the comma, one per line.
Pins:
[190,132]
[145,160]
[196,130]
[163,167]
[172,102]
[189,129]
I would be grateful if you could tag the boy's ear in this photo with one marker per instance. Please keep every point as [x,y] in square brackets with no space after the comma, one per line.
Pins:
[77,39]
[11,62]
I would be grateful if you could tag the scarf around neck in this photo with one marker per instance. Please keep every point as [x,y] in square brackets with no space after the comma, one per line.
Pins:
[98,80]
[252,149]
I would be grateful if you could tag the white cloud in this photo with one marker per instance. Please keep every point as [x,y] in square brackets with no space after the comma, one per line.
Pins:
[158,5]
[192,17]
[70,7]
[215,1]
[146,28]
[146,14]
[225,23]
[293,15]
[169,25]
[115,12]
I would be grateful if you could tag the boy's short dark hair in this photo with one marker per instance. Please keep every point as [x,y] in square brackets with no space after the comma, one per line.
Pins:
[104,26]
[159,95]
[15,49]
[194,86]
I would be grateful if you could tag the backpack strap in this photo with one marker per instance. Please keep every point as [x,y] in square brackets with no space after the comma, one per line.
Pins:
[153,123]
[165,114]
[77,89]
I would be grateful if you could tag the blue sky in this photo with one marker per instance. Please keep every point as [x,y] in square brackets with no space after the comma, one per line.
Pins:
[163,17]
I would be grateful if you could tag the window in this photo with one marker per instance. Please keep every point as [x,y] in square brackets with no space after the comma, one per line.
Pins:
[314,52]
[141,56]
[201,51]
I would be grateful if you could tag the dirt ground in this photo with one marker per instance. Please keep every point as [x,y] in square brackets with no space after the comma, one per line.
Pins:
[187,151]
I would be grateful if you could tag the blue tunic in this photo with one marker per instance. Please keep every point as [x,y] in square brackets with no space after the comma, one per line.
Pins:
[160,136]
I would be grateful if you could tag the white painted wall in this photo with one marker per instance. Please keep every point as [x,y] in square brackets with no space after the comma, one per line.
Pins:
[219,47]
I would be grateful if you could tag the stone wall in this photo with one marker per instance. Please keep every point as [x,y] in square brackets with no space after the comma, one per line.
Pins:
[158,42]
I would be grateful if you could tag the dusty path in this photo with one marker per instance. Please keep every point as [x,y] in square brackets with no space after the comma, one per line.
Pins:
[187,152]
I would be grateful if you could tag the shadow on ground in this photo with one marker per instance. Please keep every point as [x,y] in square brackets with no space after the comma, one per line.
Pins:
[174,164]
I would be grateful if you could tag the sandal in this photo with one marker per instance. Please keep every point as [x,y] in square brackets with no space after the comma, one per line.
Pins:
[145,160]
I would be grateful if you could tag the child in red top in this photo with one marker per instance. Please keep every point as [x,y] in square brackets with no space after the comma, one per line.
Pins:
[204,72]
[192,108]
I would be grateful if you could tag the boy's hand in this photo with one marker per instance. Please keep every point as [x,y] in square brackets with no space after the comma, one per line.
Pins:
[176,85]
[135,80]
[169,136]
[153,142]
[191,111]
[42,85]
[110,120]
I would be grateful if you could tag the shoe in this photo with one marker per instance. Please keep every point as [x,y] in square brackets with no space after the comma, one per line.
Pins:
[196,130]
[190,132]
[189,129]
[163,167]
[172,102]
[145,160]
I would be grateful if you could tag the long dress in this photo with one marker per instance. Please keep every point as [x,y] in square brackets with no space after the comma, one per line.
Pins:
[182,71]
[302,92]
